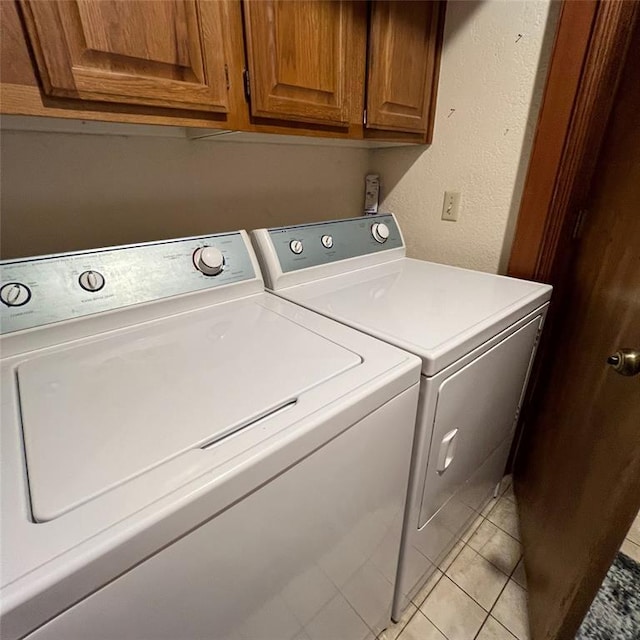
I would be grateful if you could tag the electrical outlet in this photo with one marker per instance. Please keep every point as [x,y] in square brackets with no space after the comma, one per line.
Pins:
[451,206]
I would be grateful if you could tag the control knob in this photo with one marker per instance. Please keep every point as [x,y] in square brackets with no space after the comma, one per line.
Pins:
[91,281]
[296,246]
[327,242]
[209,260]
[380,232]
[15,294]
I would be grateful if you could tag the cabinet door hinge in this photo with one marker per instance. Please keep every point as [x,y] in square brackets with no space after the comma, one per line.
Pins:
[247,84]
[577,229]
[226,76]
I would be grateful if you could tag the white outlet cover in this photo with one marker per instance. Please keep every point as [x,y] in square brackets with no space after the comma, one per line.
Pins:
[451,206]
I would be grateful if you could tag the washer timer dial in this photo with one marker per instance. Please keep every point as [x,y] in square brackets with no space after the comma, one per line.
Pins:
[15,294]
[91,281]
[209,260]
[296,246]
[380,232]
[327,241]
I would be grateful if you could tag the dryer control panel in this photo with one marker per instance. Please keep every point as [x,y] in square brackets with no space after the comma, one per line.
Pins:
[42,290]
[310,245]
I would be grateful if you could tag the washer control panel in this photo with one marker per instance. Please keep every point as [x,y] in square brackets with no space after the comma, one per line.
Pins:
[39,291]
[309,245]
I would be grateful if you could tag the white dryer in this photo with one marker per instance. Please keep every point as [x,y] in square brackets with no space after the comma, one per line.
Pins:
[476,334]
[185,456]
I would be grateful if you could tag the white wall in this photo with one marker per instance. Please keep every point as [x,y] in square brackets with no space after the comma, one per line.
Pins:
[63,191]
[491,81]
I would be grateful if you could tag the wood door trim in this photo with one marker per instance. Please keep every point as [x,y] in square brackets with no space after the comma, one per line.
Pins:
[572,39]
[603,66]
[591,44]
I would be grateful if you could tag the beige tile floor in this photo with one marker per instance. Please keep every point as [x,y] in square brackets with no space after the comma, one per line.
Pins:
[631,544]
[479,593]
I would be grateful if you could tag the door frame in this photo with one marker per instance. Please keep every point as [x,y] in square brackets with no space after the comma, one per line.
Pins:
[591,43]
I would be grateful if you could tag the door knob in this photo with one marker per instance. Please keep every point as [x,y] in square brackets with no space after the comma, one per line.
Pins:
[625,361]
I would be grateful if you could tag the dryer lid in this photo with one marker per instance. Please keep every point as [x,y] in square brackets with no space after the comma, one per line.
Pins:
[111,408]
[435,311]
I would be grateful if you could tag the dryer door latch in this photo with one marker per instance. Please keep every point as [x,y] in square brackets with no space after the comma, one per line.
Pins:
[447,450]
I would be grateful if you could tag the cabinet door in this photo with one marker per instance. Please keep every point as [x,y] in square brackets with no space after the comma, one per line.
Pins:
[404,44]
[307,60]
[175,53]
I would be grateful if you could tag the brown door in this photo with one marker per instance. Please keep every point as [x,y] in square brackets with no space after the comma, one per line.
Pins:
[306,60]
[403,64]
[578,475]
[176,53]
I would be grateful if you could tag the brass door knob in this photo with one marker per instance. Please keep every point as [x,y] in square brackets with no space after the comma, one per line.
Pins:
[626,362]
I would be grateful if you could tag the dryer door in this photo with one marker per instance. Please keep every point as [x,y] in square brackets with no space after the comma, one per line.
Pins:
[475,413]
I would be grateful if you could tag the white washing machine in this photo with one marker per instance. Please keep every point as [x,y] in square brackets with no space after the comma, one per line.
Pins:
[185,456]
[476,334]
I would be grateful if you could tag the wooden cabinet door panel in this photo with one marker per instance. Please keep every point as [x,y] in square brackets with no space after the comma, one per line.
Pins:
[159,52]
[306,60]
[403,64]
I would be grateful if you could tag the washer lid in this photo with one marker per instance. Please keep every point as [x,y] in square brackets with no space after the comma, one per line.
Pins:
[97,414]
[437,312]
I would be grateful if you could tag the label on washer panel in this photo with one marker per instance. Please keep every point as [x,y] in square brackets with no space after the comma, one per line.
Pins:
[310,245]
[40,291]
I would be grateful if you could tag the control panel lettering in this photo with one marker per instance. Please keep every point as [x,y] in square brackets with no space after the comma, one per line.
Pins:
[39,291]
[310,245]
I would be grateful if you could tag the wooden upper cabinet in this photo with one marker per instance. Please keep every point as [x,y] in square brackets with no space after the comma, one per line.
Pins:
[175,53]
[311,64]
[307,60]
[404,50]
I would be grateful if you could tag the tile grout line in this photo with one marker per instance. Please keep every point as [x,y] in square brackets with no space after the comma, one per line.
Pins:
[464,544]
[503,531]
[414,613]
[508,576]
[485,517]
[474,600]
[497,525]
[403,628]
[418,606]
[430,590]
[498,598]
[500,529]
[443,573]
[491,609]
[437,627]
